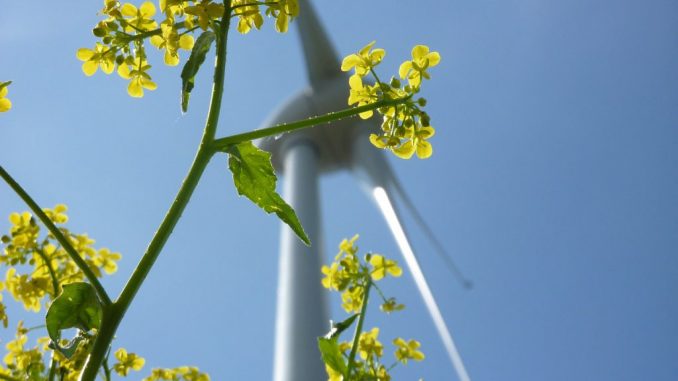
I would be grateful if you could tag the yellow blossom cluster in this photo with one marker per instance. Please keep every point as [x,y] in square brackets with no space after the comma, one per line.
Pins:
[39,265]
[169,27]
[354,277]
[185,373]
[405,127]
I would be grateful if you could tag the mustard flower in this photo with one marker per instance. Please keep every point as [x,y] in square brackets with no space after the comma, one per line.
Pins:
[382,266]
[422,59]
[99,57]
[362,95]
[283,11]
[106,260]
[127,361]
[249,16]
[407,350]
[369,346]
[171,42]
[139,19]
[352,299]
[348,246]
[58,214]
[138,76]
[364,61]
[390,305]
[205,11]
[5,104]
[418,143]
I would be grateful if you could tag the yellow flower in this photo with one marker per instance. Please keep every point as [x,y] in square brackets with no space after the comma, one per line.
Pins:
[382,266]
[5,103]
[139,19]
[333,375]
[390,306]
[127,361]
[368,345]
[362,95]
[249,16]
[333,276]
[205,11]
[407,350]
[101,56]
[418,143]
[422,59]
[107,260]
[57,215]
[348,246]
[283,11]
[139,79]
[24,230]
[352,299]
[364,61]
[171,42]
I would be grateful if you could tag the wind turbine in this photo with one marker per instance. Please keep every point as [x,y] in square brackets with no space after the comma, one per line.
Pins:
[302,312]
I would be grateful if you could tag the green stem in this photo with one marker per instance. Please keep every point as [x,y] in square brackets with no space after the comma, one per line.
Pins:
[358,330]
[52,274]
[82,265]
[52,369]
[222,144]
[114,314]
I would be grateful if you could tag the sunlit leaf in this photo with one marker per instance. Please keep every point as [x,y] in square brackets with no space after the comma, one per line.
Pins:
[255,179]
[198,54]
[76,307]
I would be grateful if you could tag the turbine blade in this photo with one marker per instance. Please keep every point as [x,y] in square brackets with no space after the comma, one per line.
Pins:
[373,171]
[440,249]
[321,60]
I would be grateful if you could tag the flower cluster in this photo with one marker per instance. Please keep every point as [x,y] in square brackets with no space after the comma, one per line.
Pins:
[354,278]
[39,264]
[405,127]
[126,28]
[5,103]
[186,373]
[37,269]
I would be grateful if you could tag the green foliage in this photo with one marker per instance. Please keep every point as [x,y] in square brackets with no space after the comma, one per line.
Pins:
[255,179]
[198,54]
[76,307]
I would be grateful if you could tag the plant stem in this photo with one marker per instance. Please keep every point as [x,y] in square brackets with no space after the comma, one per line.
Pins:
[114,314]
[223,144]
[82,265]
[358,330]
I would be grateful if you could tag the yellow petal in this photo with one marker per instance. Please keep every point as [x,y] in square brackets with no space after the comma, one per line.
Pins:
[123,71]
[84,54]
[148,84]
[171,59]
[377,55]
[107,66]
[405,151]
[433,59]
[128,10]
[134,89]
[419,51]
[377,141]
[366,114]
[404,69]
[424,149]
[186,42]
[147,9]
[3,92]
[349,62]
[426,132]
[157,41]
[367,48]
[89,68]
[5,105]
[355,82]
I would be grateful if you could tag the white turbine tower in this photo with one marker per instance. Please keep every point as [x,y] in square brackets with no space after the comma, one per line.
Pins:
[302,313]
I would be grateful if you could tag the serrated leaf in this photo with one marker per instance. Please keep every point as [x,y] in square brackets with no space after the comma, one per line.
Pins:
[255,179]
[76,307]
[198,53]
[331,355]
[338,328]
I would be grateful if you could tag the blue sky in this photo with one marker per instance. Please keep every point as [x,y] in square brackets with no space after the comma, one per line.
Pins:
[553,184]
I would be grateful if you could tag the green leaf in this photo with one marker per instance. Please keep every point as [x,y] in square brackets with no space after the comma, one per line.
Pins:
[5,84]
[76,307]
[329,350]
[338,328]
[69,349]
[255,179]
[200,49]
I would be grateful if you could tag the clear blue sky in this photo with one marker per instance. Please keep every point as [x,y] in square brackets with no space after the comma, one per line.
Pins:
[554,183]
